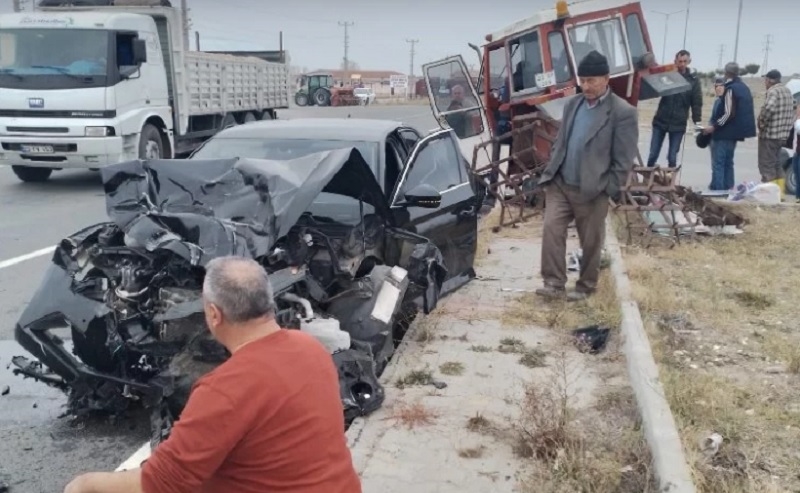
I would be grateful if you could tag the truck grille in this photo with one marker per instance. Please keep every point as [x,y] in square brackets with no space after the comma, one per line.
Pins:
[57,114]
[39,130]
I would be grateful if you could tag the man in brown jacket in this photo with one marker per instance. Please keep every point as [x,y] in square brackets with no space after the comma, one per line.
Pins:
[591,157]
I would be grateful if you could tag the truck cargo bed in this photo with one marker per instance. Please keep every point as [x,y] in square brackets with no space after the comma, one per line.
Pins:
[220,83]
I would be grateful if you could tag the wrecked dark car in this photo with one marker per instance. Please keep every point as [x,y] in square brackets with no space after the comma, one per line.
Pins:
[128,291]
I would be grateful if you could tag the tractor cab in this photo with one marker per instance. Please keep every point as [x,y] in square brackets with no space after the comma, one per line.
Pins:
[529,72]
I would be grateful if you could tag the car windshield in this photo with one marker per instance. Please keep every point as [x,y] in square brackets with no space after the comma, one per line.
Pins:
[76,52]
[344,210]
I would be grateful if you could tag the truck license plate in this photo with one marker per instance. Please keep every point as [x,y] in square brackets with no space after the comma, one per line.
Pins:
[33,149]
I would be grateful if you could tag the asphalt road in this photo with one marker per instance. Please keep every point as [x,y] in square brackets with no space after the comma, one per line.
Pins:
[39,451]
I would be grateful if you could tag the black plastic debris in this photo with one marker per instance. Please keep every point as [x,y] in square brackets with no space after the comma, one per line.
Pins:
[6,390]
[591,339]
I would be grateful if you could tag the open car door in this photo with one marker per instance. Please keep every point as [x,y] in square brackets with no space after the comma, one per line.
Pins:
[456,105]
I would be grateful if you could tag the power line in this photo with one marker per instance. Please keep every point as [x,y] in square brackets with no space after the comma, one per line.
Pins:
[346,26]
[412,42]
[767,48]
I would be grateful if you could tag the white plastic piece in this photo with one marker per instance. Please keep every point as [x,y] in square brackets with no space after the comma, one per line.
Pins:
[389,295]
[328,332]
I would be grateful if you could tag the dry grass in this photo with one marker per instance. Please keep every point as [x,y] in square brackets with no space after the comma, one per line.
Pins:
[452,368]
[722,317]
[599,450]
[415,377]
[412,415]
[600,309]
[472,453]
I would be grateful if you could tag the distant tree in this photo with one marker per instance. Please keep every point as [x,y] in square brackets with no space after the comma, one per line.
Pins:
[751,69]
[719,71]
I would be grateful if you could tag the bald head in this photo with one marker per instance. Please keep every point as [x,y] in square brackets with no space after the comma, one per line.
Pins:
[457,92]
[732,69]
[239,288]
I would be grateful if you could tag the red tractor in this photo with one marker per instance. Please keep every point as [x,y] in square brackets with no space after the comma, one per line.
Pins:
[318,89]
[528,73]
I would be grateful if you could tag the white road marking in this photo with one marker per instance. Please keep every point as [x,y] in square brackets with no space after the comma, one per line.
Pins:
[27,256]
[136,459]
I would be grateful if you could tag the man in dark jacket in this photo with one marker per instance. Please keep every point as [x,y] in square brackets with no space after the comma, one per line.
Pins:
[734,121]
[673,111]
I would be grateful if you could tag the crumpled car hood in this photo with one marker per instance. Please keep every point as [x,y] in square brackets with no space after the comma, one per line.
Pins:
[203,209]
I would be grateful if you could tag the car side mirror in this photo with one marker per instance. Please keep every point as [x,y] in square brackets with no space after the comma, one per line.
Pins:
[424,196]
[139,51]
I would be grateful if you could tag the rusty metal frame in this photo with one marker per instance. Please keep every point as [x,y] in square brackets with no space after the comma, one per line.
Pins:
[522,164]
[655,189]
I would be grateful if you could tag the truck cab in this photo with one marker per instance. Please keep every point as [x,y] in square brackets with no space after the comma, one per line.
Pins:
[89,86]
[78,88]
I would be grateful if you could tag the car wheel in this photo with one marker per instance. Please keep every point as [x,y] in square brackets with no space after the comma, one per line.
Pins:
[29,174]
[301,99]
[151,145]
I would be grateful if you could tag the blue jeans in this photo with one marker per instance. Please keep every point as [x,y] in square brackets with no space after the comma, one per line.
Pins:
[722,164]
[796,171]
[657,141]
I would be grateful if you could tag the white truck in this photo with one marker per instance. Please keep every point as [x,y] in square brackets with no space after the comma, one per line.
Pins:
[85,87]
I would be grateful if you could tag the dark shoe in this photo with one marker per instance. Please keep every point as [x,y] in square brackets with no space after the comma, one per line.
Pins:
[550,292]
[577,296]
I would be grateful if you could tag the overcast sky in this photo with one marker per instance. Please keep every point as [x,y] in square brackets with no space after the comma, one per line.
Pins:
[314,38]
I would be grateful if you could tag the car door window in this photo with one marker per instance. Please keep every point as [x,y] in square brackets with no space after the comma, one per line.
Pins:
[410,138]
[435,162]
[395,161]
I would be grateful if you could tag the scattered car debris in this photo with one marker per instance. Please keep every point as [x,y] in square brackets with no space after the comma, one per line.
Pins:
[6,390]
[129,290]
[591,339]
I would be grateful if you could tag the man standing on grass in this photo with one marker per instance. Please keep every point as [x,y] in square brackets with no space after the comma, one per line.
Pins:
[673,112]
[268,419]
[733,121]
[595,149]
[775,122]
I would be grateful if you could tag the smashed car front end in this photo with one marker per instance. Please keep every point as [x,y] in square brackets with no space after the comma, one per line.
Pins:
[127,293]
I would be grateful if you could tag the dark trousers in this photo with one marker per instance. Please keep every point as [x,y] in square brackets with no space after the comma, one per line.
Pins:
[657,141]
[722,152]
[565,204]
[769,159]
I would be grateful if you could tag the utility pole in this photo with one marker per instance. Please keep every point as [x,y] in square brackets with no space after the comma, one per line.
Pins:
[197,40]
[346,26]
[412,42]
[666,30]
[767,48]
[186,25]
[738,27]
[17,6]
[686,24]
[721,54]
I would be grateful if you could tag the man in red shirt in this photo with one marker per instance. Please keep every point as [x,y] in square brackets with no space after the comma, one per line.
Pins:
[269,419]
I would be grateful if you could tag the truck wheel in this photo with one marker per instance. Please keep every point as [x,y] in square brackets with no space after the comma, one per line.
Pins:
[301,99]
[267,115]
[250,117]
[151,145]
[228,121]
[29,174]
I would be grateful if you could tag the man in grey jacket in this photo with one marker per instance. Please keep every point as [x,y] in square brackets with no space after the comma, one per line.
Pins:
[595,149]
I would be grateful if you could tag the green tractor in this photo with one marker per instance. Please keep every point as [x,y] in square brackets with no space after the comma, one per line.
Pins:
[318,90]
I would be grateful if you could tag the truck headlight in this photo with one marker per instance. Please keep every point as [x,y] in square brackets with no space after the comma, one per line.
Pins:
[99,131]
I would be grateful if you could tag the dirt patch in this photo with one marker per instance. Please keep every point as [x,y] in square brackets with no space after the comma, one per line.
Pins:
[722,317]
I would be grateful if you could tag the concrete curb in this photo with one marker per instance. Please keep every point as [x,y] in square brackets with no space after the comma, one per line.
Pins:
[669,460]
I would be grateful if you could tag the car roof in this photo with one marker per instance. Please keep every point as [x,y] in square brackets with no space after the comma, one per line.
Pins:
[352,129]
